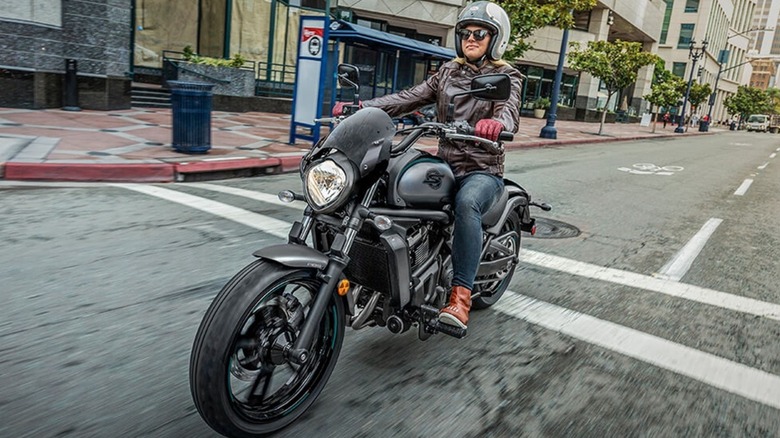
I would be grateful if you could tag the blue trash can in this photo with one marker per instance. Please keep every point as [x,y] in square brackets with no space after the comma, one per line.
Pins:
[191,108]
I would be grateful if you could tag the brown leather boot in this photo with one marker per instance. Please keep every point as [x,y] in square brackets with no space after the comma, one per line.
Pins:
[457,313]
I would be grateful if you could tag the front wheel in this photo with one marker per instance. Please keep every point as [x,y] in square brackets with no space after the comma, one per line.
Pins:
[491,291]
[240,382]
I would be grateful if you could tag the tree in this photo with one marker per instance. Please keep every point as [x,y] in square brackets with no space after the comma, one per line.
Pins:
[774,98]
[748,100]
[698,94]
[615,63]
[526,16]
[664,94]
[660,73]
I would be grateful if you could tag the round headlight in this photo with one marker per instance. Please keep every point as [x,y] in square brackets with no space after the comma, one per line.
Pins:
[325,183]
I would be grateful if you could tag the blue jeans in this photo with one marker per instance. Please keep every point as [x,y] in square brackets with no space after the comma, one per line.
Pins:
[477,192]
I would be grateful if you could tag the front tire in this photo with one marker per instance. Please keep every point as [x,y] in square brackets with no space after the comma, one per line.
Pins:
[491,292]
[240,382]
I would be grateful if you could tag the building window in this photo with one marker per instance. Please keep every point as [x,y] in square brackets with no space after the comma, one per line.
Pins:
[667,19]
[692,6]
[686,34]
[678,69]
[46,12]
[373,24]
[582,20]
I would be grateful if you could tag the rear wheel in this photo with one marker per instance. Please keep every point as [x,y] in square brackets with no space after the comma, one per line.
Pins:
[240,382]
[491,291]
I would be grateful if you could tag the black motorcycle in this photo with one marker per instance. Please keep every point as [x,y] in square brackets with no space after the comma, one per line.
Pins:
[373,249]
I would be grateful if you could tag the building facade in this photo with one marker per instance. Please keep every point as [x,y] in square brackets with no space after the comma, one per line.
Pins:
[766,17]
[38,36]
[763,75]
[115,41]
[726,26]
[626,20]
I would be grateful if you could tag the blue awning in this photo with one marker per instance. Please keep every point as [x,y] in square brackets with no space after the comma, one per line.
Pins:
[350,32]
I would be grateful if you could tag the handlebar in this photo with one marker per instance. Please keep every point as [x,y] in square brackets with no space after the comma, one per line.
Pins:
[503,136]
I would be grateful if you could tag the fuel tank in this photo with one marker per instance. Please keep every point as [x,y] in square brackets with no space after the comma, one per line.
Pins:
[420,180]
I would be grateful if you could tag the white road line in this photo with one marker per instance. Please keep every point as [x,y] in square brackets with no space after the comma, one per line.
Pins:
[679,265]
[712,370]
[772,155]
[667,287]
[744,187]
[257,196]
[672,288]
[260,222]
[763,166]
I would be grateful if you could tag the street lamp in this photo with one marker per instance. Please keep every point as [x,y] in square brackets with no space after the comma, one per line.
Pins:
[693,53]
[723,58]
[549,130]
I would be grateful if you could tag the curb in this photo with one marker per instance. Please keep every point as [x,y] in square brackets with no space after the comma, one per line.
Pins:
[90,172]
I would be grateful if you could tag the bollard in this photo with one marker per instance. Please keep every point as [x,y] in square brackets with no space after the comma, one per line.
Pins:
[71,86]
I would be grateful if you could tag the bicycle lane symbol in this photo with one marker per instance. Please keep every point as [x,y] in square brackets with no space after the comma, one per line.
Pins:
[651,169]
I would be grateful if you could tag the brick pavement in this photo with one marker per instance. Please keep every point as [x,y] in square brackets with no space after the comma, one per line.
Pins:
[135,145]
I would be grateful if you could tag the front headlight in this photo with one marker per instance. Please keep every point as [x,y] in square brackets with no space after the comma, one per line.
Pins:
[325,183]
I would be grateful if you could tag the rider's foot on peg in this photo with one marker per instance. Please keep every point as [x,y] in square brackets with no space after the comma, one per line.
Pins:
[457,312]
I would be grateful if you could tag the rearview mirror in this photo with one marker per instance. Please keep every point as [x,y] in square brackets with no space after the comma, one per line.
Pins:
[496,86]
[349,76]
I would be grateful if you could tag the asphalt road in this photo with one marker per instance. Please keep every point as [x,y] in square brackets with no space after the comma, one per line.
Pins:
[628,329]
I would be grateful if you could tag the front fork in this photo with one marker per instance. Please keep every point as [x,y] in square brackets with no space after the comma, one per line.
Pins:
[298,352]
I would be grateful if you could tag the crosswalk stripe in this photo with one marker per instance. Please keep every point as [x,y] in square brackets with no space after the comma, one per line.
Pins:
[667,287]
[715,371]
[710,369]
[260,222]
[250,194]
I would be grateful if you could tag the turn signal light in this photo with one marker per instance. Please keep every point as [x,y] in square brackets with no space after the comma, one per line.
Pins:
[343,287]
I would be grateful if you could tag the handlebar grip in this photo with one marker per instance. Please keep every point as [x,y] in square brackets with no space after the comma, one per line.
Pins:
[503,136]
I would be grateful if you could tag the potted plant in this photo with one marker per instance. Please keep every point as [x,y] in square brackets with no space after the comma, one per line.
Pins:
[540,107]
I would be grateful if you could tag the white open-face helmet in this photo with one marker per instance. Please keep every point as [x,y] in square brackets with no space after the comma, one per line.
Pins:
[488,15]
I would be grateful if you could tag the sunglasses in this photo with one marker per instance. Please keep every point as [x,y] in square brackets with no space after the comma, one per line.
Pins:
[479,35]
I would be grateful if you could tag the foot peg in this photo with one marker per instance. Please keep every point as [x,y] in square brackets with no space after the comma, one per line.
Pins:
[434,326]
[455,332]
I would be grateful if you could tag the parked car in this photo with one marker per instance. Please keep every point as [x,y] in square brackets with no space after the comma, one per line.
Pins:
[774,123]
[757,122]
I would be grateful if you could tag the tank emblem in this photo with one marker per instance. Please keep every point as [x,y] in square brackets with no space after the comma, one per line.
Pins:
[433,179]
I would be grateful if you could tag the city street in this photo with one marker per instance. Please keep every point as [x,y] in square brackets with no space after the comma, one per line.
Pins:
[660,317]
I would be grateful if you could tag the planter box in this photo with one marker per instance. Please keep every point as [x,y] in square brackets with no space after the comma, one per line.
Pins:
[593,116]
[228,81]
[566,113]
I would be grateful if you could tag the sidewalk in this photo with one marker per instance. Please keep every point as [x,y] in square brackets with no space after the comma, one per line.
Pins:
[135,145]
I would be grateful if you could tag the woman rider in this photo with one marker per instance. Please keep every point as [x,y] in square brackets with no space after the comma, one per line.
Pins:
[481,35]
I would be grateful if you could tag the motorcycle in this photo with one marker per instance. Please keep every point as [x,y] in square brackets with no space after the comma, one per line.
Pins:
[373,249]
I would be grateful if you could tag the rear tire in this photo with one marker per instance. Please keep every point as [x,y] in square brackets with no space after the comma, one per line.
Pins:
[237,348]
[494,290]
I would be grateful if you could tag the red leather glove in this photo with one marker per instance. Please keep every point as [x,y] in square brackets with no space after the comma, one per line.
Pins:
[489,129]
[338,108]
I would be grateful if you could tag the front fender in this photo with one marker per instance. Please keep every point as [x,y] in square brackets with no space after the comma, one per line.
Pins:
[294,256]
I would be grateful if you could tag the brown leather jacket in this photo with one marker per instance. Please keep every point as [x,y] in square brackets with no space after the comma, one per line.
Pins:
[453,77]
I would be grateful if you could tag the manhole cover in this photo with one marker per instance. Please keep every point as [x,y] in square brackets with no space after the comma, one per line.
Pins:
[552,229]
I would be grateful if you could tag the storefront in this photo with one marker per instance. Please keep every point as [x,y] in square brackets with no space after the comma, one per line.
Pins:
[539,83]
